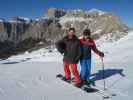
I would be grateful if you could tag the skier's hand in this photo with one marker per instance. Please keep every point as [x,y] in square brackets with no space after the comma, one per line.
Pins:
[101,54]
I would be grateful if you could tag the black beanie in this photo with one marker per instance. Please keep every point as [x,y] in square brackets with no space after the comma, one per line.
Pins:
[87,32]
[73,29]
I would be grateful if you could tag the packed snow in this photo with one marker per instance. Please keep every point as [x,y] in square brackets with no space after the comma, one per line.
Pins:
[32,75]
[97,31]
[1,20]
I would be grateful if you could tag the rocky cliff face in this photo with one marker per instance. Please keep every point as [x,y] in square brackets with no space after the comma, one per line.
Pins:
[19,34]
[13,30]
[55,12]
[98,21]
[2,31]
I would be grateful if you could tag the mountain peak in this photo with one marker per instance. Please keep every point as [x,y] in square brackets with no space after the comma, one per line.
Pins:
[55,12]
[100,12]
[2,20]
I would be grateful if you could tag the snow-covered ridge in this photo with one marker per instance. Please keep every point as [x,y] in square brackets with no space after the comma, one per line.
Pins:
[63,20]
[100,12]
[17,20]
[27,20]
[1,20]
[14,21]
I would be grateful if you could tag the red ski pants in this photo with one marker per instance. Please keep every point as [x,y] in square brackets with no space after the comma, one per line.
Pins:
[74,72]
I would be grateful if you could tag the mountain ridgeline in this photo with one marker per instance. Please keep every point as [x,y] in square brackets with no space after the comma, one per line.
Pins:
[20,34]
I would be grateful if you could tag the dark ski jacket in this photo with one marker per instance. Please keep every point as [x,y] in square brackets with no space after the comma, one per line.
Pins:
[87,46]
[71,48]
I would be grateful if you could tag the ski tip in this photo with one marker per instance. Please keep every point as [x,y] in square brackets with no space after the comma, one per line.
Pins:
[58,75]
[114,95]
[91,90]
[106,97]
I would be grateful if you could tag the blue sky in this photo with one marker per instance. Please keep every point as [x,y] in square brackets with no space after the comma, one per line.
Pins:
[36,8]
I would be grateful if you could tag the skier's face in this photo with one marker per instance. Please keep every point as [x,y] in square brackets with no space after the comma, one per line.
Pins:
[86,37]
[71,33]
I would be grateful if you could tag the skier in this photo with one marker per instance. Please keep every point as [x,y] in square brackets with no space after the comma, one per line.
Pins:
[88,44]
[70,47]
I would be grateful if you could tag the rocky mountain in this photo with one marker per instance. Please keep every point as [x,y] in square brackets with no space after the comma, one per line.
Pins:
[98,21]
[21,33]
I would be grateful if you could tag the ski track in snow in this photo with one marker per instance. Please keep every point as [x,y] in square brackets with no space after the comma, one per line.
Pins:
[32,76]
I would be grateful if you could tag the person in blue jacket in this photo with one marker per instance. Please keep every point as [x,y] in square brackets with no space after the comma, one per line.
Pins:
[87,44]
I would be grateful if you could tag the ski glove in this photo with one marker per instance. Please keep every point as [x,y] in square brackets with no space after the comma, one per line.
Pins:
[101,54]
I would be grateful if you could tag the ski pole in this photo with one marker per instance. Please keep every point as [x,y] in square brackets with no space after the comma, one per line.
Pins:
[103,74]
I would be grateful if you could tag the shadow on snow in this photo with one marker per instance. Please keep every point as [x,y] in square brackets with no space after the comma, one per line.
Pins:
[100,75]
[15,62]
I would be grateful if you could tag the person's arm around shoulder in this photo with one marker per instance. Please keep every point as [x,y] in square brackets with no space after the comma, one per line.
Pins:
[79,51]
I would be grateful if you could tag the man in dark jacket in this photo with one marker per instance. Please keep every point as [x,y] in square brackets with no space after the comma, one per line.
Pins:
[88,44]
[70,47]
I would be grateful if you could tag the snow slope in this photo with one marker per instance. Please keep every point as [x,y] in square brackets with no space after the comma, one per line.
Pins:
[31,76]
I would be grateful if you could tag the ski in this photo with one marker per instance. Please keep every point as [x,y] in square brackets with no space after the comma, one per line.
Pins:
[110,93]
[83,87]
[87,89]
[106,94]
